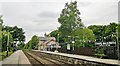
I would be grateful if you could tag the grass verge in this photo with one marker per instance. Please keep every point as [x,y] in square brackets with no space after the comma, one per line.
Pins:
[3,55]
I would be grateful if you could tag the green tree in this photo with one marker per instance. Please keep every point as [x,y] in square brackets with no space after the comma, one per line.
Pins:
[69,19]
[1,22]
[33,43]
[104,32]
[58,35]
[118,34]
[17,33]
[84,37]
[54,33]
[4,37]
[98,31]
[26,46]
[4,41]
[110,32]
[20,45]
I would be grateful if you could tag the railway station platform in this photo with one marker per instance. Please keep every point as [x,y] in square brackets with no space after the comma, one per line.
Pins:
[85,59]
[16,58]
[19,58]
[88,58]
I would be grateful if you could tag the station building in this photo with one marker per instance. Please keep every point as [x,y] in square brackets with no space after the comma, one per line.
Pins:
[47,43]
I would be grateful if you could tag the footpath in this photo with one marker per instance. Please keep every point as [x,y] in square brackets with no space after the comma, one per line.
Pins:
[16,59]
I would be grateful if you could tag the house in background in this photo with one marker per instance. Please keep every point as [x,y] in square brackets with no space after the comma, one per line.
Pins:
[47,43]
[41,40]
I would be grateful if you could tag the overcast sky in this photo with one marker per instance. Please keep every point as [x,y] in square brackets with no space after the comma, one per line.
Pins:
[39,16]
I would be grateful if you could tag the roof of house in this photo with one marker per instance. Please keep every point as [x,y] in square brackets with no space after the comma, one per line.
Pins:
[43,39]
[48,41]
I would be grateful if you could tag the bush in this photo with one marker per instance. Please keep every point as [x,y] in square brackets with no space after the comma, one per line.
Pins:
[4,54]
[100,50]
[80,51]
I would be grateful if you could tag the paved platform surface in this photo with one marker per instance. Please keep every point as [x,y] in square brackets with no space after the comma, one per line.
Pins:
[0,63]
[17,57]
[88,58]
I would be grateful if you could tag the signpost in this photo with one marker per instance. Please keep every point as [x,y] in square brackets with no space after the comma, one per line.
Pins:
[68,46]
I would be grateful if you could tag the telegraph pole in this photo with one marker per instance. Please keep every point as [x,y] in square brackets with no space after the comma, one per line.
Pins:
[118,48]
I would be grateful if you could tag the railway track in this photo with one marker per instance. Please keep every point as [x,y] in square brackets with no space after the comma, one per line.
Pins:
[49,57]
[37,59]
[33,60]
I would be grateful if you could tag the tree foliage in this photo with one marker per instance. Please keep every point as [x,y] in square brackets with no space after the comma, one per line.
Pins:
[84,36]
[118,33]
[20,45]
[71,26]
[69,19]
[17,33]
[5,39]
[32,44]
[104,32]
[1,20]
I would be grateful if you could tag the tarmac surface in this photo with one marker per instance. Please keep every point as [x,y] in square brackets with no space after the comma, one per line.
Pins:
[17,57]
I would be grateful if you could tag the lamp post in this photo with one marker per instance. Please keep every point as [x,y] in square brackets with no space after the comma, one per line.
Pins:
[101,35]
[58,37]
[58,42]
[7,43]
[73,43]
[69,45]
[83,36]
[83,39]
[118,49]
[105,41]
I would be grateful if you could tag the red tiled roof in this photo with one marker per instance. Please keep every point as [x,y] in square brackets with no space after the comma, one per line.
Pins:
[46,42]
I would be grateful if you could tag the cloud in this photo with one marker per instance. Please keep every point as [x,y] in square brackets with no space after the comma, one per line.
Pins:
[119,12]
[48,14]
[35,0]
[39,16]
[84,4]
[99,13]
